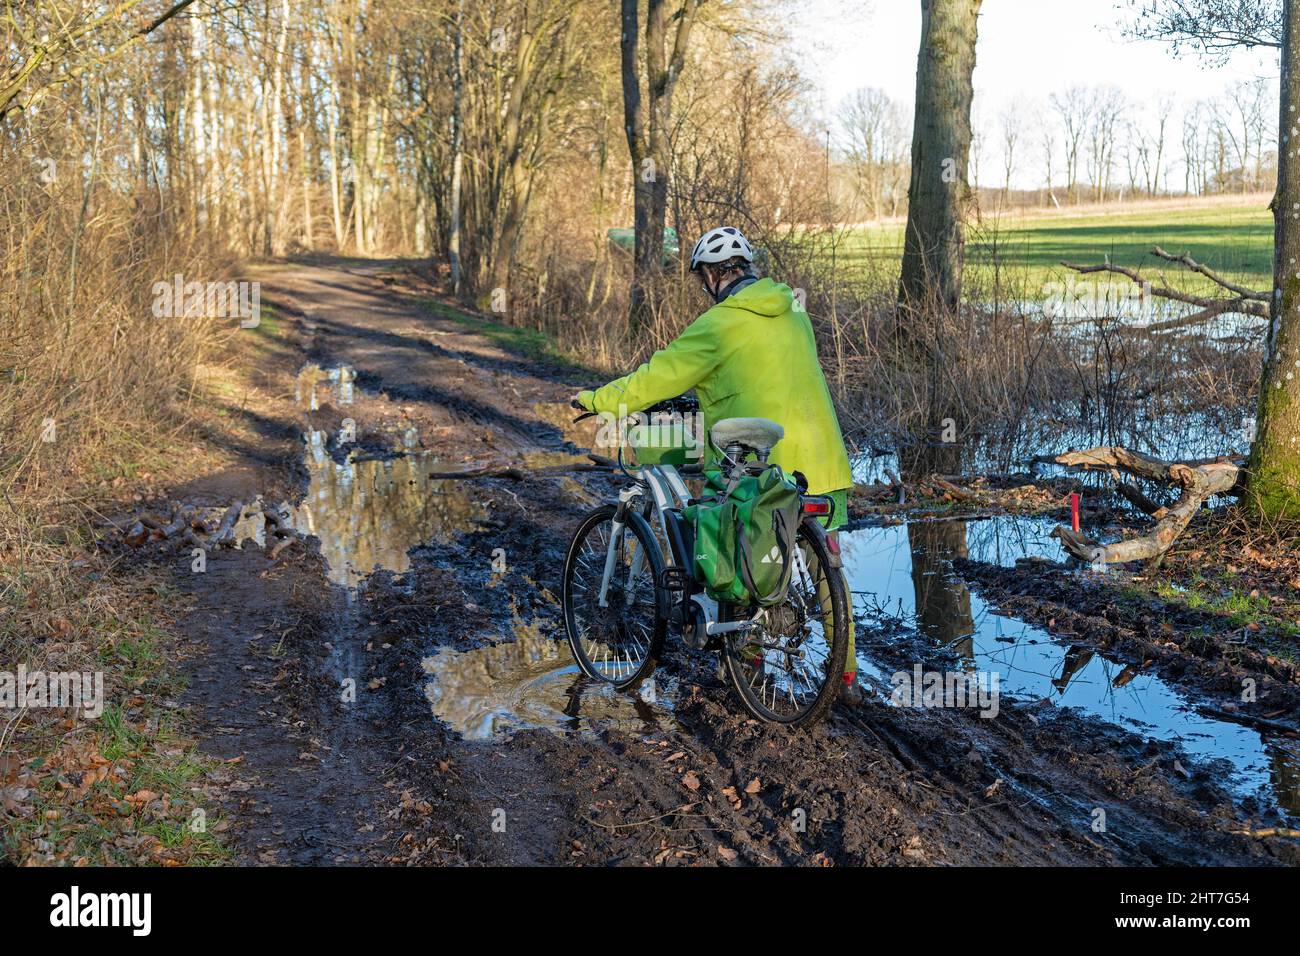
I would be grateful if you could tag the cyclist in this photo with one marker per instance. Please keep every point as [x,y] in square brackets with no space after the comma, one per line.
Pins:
[752,355]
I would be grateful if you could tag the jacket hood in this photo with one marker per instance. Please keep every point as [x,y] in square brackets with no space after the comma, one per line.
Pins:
[763,297]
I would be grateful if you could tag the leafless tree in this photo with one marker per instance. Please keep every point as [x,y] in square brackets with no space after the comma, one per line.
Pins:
[1104,119]
[647,119]
[874,133]
[1075,107]
[1011,121]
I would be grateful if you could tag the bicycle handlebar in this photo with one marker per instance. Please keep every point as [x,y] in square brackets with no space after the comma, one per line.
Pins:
[682,404]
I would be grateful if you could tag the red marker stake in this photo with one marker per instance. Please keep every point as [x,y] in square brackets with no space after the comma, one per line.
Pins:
[1074,510]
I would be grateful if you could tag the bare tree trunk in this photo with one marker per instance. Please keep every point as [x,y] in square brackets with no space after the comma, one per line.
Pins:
[646,125]
[308,239]
[274,238]
[938,196]
[1274,469]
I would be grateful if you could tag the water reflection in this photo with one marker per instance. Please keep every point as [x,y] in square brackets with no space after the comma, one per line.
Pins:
[942,602]
[369,513]
[492,692]
[905,572]
[333,386]
[1178,435]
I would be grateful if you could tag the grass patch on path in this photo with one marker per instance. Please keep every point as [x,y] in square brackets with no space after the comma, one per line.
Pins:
[531,344]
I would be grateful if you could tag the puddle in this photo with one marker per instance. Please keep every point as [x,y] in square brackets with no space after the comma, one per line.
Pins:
[492,692]
[369,513]
[333,386]
[1200,433]
[904,572]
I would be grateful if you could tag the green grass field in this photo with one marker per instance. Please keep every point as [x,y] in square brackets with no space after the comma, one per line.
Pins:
[1025,252]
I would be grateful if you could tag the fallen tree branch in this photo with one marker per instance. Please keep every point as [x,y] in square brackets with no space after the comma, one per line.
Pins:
[1244,300]
[1185,260]
[1135,496]
[1198,480]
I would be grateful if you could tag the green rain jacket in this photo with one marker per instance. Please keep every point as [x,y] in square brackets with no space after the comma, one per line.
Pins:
[751,355]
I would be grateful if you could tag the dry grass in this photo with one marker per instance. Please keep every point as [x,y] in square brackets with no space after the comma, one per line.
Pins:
[94,399]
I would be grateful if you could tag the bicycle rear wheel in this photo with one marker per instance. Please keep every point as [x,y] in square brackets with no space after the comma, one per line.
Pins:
[619,642]
[790,670]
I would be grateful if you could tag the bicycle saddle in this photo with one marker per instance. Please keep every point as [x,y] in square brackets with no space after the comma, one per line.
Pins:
[760,434]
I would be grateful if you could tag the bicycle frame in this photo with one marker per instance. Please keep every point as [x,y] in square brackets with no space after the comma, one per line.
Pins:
[668,490]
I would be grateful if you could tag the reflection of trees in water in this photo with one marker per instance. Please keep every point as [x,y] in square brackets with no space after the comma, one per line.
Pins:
[1075,661]
[943,608]
[1284,756]
[1001,540]
[1074,422]
[369,513]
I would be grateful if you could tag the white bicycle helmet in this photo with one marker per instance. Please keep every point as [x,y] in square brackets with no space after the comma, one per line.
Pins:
[721,245]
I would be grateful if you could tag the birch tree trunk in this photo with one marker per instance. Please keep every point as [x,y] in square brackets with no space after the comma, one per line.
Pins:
[457,144]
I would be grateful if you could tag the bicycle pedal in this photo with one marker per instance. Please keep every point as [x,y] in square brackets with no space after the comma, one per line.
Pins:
[674,579]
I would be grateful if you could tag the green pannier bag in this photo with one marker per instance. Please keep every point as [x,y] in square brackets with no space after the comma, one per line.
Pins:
[745,536]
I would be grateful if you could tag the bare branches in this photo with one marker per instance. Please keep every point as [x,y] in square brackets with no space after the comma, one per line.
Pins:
[1190,263]
[1212,27]
[1245,301]
[63,47]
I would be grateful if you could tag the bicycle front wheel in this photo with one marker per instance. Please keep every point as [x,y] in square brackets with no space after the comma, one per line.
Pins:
[617,639]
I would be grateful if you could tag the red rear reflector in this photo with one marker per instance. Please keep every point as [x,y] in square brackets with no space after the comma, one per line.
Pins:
[816,507]
[833,543]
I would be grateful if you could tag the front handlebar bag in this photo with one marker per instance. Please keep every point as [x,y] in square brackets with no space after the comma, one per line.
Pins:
[667,442]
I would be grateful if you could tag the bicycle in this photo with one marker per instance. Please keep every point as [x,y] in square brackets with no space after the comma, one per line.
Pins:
[629,581]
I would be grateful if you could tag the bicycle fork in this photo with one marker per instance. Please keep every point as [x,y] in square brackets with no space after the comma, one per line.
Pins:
[611,551]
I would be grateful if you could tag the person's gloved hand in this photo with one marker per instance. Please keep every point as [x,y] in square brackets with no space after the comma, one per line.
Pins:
[584,400]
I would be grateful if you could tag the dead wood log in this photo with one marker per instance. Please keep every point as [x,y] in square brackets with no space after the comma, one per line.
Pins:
[226,529]
[180,522]
[942,484]
[1136,497]
[1198,480]
[151,521]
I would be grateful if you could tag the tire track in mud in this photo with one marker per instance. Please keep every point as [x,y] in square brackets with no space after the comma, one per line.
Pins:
[384,781]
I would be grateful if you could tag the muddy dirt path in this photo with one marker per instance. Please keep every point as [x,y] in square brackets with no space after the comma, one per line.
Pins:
[423,713]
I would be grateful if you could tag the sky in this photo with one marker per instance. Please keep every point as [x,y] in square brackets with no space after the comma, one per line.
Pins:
[1026,49]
